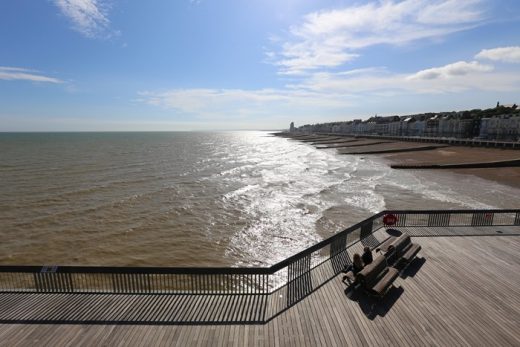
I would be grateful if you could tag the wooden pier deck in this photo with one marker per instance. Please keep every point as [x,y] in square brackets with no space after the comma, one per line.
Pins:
[461,291]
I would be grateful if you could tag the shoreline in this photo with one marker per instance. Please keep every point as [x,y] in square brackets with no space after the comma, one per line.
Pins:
[447,155]
[454,155]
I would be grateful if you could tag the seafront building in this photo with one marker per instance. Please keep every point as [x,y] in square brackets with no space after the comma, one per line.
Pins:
[503,124]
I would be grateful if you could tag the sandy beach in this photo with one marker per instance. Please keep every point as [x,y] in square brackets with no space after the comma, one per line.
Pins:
[459,154]
[445,155]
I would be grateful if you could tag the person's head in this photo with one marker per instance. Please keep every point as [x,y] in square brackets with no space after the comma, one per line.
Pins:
[367,249]
[356,259]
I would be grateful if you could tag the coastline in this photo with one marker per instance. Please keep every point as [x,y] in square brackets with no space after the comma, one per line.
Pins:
[416,155]
[456,154]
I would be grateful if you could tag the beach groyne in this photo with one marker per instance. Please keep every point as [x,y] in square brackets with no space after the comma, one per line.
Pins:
[481,165]
[393,150]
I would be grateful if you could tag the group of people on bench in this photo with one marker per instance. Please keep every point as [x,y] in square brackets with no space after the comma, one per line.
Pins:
[360,261]
[375,275]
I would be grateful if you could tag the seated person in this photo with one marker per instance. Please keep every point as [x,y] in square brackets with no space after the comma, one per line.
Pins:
[352,269]
[367,256]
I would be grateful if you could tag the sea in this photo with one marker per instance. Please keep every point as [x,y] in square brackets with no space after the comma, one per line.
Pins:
[243,198]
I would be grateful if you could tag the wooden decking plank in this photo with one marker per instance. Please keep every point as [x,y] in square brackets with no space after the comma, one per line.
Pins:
[193,302]
[227,308]
[251,307]
[307,324]
[24,309]
[338,326]
[466,293]
[147,336]
[406,328]
[95,336]
[456,284]
[321,313]
[172,336]
[197,336]
[234,335]
[115,335]
[132,335]
[245,308]
[80,306]
[149,308]
[175,310]
[201,311]
[111,304]
[169,302]
[216,310]
[232,314]
[421,309]
[240,307]
[11,301]
[180,309]
[314,310]
[297,330]
[214,306]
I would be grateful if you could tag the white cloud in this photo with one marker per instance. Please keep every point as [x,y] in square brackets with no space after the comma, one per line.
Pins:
[17,73]
[452,78]
[459,68]
[89,17]
[331,38]
[331,93]
[240,104]
[505,54]
[451,12]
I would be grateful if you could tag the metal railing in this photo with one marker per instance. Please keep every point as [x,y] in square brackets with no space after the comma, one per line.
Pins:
[282,284]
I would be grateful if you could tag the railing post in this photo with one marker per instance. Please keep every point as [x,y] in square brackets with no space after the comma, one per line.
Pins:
[338,254]
[299,282]
[366,229]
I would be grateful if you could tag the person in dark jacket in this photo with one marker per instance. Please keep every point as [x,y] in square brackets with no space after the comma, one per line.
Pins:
[352,269]
[357,263]
[367,256]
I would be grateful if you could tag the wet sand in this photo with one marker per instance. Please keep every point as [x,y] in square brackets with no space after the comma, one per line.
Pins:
[393,146]
[459,154]
[446,155]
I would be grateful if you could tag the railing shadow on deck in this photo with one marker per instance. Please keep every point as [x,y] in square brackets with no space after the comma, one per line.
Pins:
[142,295]
[135,309]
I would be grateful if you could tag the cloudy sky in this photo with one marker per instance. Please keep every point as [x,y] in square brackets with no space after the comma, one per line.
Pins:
[87,65]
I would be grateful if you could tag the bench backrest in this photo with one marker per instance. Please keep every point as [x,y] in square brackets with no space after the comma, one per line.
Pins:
[370,273]
[384,246]
[402,243]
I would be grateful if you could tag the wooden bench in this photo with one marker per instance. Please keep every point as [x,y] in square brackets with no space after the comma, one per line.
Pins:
[387,243]
[376,278]
[403,249]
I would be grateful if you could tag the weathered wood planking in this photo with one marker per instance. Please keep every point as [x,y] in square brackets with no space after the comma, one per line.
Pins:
[465,293]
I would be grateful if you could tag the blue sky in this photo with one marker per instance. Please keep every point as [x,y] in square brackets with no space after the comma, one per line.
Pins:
[89,65]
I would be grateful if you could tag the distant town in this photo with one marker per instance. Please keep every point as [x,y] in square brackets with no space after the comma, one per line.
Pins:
[501,123]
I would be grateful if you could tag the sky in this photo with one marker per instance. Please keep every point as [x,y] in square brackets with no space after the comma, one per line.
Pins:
[161,65]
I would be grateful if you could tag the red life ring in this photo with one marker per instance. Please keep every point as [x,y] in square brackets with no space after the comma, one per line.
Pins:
[390,219]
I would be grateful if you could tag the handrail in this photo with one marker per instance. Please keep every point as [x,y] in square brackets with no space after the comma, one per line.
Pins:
[136,269]
[266,291]
[323,243]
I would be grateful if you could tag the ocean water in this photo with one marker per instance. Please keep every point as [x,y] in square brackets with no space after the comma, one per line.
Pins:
[199,199]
